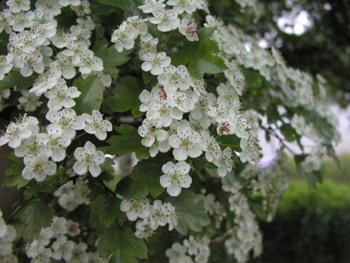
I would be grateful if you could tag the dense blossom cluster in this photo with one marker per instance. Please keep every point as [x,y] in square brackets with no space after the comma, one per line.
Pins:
[55,243]
[200,122]
[152,216]
[192,250]
[7,236]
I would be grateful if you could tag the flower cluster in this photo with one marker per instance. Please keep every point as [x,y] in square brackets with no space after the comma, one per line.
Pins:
[151,216]
[192,247]
[55,243]
[72,194]
[200,118]
[7,236]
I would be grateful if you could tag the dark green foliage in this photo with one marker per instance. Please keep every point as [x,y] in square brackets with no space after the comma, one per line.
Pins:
[310,226]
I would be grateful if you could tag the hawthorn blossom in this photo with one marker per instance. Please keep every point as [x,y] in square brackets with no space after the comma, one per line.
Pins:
[63,66]
[175,177]
[174,78]
[250,151]
[38,167]
[61,96]
[165,19]
[150,6]
[124,37]
[148,44]
[180,6]
[62,248]
[28,101]
[5,65]
[135,208]
[88,159]
[189,29]
[210,146]
[67,120]
[224,162]
[185,142]
[95,124]
[155,62]
[55,141]
[17,6]
[16,132]
[177,253]
[151,131]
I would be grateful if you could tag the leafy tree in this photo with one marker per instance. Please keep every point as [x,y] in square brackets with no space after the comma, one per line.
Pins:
[135,130]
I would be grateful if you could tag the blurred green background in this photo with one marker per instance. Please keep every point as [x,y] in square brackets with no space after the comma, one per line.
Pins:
[311,225]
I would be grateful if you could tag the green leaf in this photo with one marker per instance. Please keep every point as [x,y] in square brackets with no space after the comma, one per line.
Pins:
[91,94]
[130,7]
[288,132]
[128,142]
[106,209]
[122,244]
[145,176]
[231,141]
[126,95]
[33,217]
[15,79]
[200,56]
[192,215]
[48,186]
[13,174]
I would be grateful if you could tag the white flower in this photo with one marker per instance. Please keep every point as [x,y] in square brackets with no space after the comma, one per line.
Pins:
[67,120]
[135,208]
[311,163]
[95,124]
[165,19]
[175,177]
[183,100]
[177,253]
[224,162]
[55,141]
[298,123]
[148,44]
[189,29]
[31,146]
[150,6]
[185,142]
[155,63]
[38,167]
[28,101]
[210,146]
[62,39]
[250,151]
[63,65]
[16,132]
[79,253]
[5,65]
[151,131]
[124,37]
[44,82]
[88,159]
[143,229]
[17,6]
[228,96]
[20,21]
[174,78]
[61,96]
[88,64]
[59,226]
[62,248]
[180,6]
[138,24]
